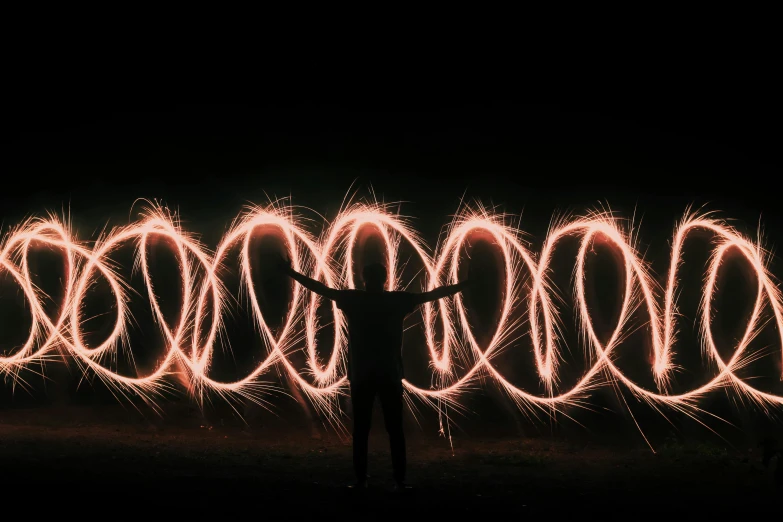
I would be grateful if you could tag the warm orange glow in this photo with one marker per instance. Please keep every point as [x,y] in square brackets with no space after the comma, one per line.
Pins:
[192,341]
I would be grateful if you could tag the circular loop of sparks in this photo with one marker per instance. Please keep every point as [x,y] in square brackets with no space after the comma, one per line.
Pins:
[192,341]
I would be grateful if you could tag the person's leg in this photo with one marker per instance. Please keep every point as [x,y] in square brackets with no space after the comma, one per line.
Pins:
[391,401]
[362,399]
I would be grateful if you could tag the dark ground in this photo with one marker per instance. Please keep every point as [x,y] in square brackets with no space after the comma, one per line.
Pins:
[67,457]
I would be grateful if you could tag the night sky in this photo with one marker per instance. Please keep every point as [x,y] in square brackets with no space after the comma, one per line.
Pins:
[208,161]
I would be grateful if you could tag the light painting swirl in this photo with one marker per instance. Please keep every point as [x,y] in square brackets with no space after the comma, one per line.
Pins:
[193,340]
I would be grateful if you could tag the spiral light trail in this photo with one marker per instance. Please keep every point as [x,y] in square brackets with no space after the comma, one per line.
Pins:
[192,341]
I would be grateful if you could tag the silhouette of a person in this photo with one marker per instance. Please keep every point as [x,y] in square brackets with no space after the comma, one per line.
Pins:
[375,319]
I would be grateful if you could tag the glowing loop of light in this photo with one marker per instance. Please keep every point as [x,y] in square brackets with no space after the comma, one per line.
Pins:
[192,341]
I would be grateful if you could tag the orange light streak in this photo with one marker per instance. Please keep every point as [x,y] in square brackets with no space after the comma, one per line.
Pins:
[192,341]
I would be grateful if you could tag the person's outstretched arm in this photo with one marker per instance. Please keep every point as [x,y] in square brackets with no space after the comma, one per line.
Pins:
[441,292]
[307,282]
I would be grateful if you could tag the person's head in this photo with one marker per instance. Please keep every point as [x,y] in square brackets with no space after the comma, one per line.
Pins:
[374,276]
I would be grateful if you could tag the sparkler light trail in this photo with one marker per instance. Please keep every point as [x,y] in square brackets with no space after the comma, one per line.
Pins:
[192,341]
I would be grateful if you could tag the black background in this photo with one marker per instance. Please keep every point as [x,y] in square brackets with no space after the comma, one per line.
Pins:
[208,161]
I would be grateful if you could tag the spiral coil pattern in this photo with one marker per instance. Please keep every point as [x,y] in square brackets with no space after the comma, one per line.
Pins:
[193,340]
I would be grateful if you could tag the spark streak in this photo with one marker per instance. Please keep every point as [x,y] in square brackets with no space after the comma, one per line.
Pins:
[192,341]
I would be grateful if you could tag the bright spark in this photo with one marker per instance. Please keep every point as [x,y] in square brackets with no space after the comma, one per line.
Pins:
[192,341]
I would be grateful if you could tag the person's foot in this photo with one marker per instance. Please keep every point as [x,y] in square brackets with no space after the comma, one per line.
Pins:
[358,486]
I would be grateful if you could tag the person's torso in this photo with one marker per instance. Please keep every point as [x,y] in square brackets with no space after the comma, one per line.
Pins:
[375,324]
